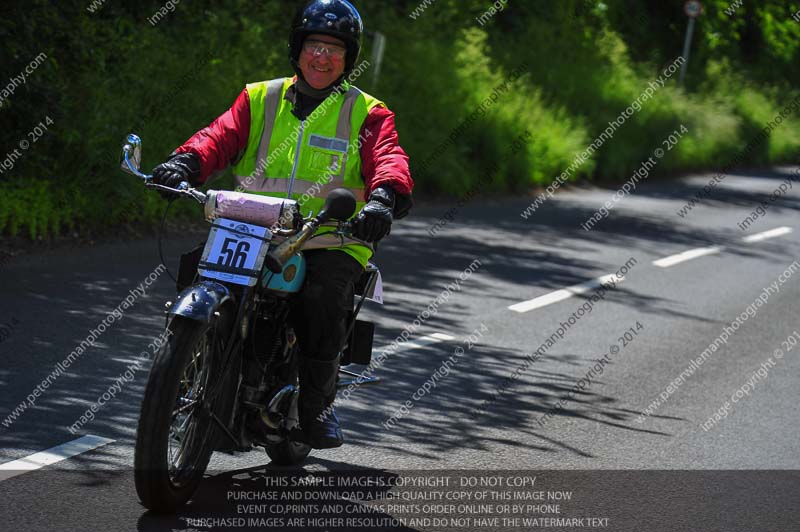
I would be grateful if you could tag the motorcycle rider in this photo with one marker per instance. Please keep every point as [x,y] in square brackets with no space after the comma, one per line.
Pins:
[300,137]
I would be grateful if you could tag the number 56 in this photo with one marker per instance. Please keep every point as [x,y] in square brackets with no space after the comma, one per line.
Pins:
[233,258]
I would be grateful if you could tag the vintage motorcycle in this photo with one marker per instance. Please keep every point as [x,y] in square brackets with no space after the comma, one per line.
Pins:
[227,377]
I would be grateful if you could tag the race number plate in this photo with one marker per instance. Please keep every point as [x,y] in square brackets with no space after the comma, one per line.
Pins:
[234,252]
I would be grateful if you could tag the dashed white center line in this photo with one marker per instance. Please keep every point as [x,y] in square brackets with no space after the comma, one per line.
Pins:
[564,293]
[666,262]
[772,233]
[672,260]
[430,339]
[423,341]
[51,456]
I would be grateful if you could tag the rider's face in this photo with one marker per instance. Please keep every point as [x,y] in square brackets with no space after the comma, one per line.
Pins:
[321,60]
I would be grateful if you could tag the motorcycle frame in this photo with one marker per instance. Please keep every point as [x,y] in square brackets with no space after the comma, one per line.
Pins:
[204,300]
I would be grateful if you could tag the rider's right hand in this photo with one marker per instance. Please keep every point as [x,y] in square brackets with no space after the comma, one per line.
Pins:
[175,170]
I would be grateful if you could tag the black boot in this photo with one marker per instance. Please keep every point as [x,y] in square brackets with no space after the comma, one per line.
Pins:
[318,419]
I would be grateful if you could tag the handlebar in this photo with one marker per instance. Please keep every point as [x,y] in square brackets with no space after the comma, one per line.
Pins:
[338,204]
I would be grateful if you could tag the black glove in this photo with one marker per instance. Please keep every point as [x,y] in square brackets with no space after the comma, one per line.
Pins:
[375,219]
[175,170]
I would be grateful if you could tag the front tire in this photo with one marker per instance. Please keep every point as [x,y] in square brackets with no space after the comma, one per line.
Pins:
[175,437]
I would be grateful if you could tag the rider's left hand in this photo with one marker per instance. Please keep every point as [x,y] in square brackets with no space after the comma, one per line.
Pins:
[375,219]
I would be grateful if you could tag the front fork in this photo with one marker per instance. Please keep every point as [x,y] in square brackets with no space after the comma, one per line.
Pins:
[207,301]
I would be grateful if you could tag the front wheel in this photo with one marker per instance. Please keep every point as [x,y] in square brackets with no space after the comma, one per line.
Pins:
[175,437]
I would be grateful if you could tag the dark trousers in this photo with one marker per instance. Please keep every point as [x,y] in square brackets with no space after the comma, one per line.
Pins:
[320,314]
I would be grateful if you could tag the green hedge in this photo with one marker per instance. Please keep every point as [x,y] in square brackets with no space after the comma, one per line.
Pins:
[556,73]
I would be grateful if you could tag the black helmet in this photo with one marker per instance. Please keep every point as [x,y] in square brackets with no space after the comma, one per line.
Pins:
[337,18]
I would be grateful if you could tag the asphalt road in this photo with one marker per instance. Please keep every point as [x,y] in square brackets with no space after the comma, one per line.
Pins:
[641,410]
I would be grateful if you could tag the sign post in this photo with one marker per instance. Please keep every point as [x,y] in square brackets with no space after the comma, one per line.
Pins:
[378,48]
[693,9]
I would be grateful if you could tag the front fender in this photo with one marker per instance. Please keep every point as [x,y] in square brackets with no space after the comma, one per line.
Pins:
[200,301]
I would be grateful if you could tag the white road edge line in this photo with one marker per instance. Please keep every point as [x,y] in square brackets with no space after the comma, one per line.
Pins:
[564,293]
[672,260]
[772,233]
[51,456]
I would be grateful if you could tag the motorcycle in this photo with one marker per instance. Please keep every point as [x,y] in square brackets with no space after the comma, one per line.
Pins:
[227,376]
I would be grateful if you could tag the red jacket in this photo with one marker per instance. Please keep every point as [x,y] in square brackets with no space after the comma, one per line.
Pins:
[383,161]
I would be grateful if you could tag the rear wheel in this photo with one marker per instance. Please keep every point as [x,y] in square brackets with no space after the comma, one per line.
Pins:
[176,434]
[288,452]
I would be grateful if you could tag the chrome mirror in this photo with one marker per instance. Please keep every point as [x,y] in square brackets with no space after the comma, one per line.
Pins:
[132,155]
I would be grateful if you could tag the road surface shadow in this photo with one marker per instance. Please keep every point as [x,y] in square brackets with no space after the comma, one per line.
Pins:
[271,497]
[498,392]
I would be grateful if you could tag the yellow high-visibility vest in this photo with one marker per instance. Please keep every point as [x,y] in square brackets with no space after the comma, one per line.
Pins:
[304,160]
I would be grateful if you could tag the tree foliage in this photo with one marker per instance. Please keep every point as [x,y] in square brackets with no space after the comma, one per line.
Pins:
[109,71]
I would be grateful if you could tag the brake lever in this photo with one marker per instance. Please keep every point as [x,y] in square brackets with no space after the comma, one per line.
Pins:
[344,229]
[184,189]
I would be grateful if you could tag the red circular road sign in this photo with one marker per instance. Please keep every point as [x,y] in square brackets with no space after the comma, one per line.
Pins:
[693,8]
